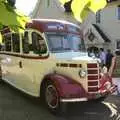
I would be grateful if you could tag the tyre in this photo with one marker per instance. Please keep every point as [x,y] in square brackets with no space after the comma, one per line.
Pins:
[0,73]
[52,98]
[101,99]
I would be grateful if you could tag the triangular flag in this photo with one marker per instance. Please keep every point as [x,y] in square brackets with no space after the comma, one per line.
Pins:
[79,9]
[96,5]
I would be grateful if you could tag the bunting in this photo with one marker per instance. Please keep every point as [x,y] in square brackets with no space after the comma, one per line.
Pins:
[96,5]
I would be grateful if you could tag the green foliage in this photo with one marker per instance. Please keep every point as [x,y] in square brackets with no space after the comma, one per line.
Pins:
[11,17]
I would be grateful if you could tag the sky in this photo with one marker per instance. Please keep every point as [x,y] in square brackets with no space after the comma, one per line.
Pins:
[26,6]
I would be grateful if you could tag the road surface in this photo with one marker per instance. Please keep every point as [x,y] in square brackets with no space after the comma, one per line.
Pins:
[15,105]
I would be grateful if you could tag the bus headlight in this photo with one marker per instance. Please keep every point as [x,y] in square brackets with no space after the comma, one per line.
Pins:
[82,73]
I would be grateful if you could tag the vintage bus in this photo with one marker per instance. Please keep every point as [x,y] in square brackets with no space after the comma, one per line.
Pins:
[50,61]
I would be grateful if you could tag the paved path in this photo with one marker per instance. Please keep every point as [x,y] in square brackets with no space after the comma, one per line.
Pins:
[117,82]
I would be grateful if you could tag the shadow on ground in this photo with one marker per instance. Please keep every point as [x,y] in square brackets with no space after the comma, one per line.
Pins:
[14,105]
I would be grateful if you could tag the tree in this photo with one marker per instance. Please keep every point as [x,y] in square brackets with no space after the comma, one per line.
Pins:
[11,17]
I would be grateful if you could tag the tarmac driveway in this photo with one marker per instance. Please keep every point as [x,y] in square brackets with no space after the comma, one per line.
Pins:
[15,105]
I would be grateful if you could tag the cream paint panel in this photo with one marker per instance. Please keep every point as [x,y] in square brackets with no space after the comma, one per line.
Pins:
[29,77]
[33,72]
[10,68]
[30,73]
[74,73]
[28,80]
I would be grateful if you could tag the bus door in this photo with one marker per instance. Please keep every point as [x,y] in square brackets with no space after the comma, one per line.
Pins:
[32,62]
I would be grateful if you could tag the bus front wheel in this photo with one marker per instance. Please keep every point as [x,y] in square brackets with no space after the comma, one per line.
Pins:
[52,98]
[0,73]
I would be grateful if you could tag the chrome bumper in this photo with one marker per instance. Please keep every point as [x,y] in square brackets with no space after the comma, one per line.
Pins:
[73,100]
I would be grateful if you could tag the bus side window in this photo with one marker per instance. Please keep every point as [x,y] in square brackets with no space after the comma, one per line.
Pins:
[38,43]
[25,43]
[16,42]
[7,41]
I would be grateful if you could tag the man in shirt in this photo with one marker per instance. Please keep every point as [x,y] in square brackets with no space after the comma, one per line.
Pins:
[102,56]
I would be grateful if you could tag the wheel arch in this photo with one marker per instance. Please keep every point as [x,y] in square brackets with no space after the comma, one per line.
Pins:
[66,87]
[46,78]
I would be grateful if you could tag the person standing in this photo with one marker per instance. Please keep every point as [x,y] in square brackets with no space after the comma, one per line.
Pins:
[114,71]
[102,56]
[109,56]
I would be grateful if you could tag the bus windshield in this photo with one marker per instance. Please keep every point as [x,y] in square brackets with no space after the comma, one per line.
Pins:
[61,42]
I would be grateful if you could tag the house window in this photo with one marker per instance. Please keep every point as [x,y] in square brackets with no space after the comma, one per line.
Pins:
[98,16]
[118,44]
[48,3]
[118,12]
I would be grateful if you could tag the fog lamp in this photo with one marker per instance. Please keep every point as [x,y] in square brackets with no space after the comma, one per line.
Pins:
[82,73]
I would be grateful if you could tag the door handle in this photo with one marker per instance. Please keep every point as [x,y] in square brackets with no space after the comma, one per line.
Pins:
[20,64]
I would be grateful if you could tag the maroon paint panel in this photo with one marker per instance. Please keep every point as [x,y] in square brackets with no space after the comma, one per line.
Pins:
[26,56]
[93,83]
[92,71]
[92,77]
[44,25]
[67,87]
[92,89]
[92,65]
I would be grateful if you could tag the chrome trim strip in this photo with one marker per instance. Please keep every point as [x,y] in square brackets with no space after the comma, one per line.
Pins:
[92,86]
[92,68]
[73,100]
[93,80]
[92,75]
[93,92]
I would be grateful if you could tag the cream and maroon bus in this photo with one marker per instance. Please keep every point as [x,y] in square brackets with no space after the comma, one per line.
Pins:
[50,61]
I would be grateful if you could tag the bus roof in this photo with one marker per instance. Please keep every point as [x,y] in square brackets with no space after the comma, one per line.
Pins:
[47,25]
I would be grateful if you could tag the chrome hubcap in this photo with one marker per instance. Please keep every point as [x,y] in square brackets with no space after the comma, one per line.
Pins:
[51,96]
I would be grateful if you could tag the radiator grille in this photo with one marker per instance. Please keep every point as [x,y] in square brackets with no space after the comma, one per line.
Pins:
[93,77]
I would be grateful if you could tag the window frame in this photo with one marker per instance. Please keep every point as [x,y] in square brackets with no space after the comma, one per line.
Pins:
[44,39]
[26,42]
[118,12]
[118,44]
[98,17]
